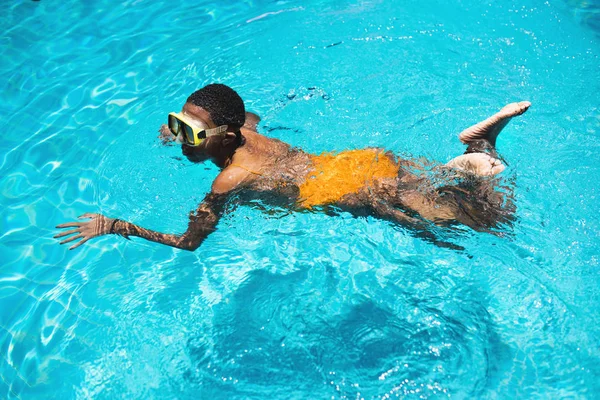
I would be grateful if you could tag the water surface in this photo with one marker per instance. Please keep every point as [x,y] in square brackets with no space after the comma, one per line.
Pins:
[296,305]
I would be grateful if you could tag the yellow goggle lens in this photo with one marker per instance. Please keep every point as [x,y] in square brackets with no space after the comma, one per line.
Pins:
[189,134]
[174,125]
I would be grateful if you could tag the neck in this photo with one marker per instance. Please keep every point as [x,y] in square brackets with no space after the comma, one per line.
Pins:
[223,156]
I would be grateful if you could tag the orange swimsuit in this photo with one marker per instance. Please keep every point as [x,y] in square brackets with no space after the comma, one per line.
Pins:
[336,175]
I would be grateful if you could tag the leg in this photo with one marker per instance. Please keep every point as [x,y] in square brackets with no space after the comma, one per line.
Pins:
[479,204]
[419,227]
[480,157]
[490,128]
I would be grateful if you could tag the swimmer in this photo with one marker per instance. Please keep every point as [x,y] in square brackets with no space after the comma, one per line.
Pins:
[214,126]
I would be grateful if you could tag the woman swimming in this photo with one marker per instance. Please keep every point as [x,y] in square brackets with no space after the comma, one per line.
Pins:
[213,126]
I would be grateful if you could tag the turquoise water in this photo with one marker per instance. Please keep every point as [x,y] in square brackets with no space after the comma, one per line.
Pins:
[296,305]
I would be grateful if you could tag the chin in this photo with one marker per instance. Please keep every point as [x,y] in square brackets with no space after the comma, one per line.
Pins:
[195,159]
[193,154]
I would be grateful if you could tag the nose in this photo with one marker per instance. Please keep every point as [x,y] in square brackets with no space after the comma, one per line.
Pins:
[178,138]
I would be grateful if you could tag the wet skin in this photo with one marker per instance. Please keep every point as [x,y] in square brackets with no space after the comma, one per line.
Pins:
[272,171]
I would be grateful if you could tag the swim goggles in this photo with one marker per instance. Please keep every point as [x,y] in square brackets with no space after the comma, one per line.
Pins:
[192,132]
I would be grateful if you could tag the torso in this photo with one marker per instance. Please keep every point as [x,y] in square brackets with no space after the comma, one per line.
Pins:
[357,181]
[337,178]
[276,170]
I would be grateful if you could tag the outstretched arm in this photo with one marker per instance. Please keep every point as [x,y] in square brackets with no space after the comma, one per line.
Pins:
[202,223]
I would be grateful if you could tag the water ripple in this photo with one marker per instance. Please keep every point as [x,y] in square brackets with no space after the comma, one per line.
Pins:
[295,305]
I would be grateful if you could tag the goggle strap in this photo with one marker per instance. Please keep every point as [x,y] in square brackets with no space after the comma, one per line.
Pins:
[215,131]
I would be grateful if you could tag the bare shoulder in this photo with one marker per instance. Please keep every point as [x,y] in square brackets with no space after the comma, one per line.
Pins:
[231,178]
[261,144]
[251,121]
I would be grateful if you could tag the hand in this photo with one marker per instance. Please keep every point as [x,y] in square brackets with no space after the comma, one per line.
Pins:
[165,134]
[97,226]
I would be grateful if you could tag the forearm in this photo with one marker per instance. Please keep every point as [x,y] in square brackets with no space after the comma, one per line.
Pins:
[202,223]
[187,241]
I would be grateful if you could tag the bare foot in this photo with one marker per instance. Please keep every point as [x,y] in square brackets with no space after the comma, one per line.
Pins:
[478,163]
[491,127]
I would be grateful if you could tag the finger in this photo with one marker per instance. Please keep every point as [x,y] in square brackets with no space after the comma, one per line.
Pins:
[69,225]
[88,215]
[71,239]
[66,233]
[79,244]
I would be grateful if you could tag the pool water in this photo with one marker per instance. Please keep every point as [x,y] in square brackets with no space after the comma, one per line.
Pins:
[288,305]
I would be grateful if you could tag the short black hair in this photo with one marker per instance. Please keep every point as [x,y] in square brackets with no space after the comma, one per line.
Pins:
[223,104]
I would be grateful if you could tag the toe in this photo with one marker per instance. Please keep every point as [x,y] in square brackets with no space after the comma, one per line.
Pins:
[523,106]
[497,168]
[513,109]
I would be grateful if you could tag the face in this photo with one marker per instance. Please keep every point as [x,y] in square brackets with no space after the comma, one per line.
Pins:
[203,151]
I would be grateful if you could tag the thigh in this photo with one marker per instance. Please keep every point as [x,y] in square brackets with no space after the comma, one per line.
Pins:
[478,204]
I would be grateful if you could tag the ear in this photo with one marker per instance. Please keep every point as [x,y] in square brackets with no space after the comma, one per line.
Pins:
[228,139]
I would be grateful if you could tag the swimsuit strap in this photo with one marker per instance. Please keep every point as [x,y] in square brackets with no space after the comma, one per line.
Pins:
[247,169]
